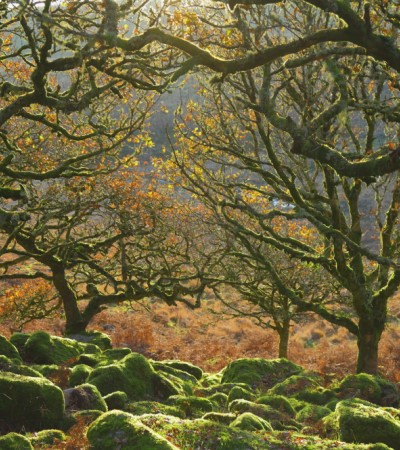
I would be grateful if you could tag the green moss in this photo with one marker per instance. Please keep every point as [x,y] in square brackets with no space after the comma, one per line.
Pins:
[85,396]
[15,366]
[147,407]
[41,348]
[133,375]
[46,369]
[369,387]
[312,414]
[225,388]
[88,359]
[191,406]
[18,340]
[219,399]
[250,422]
[88,415]
[8,349]
[239,392]
[259,373]
[185,367]
[32,403]
[177,373]
[117,429]
[46,438]
[317,396]
[278,402]
[101,340]
[360,421]
[79,374]
[116,400]
[294,385]
[222,418]
[15,441]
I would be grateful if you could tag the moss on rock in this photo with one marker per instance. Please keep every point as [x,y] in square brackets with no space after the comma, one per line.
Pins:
[148,407]
[191,406]
[278,402]
[251,422]
[102,340]
[193,370]
[79,374]
[117,429]
[15,441]
[30,402]
[85,396]
[360,421]
[8,349]
[41,348]
[18,340]
[135,376]
[222,418]
[259,373]
[369,387]
[46,438]
[311,414]
[295,384]
[238,392]
[317,396]
[116,400]
[15,366]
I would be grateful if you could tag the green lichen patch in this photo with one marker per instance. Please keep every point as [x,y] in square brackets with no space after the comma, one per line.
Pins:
[46,438]
[369,387]
[135,376]
[116,400]
[191,406]
[259,373]
[8,349]
[250,422]
[360,421]
[30,402]
[79,374]
[117,429]
[85,396]
[15,441]
[294,385]
[41,348]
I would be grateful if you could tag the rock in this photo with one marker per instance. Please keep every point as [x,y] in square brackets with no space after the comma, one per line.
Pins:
[279,403]
[105,358]
[169,369]
[360,421]
[116,400]
[147,407]
[135,376]
[239,392]
[295,384]
[41,348]
[30,402]
[369,387]
[311,414]
[317,396]
[79,374]
[185,367]
[15,366]
[222,418]
[46,438]
[250,422]
[102,340]
[83,397]
[259,373]
[191,406]
[117,429]
[8,349]
[15,441]
[18,340]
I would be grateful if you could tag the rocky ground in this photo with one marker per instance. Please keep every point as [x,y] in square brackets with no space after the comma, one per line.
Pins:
[80,393]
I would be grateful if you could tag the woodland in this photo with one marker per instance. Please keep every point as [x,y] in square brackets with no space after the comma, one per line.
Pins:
[199,224]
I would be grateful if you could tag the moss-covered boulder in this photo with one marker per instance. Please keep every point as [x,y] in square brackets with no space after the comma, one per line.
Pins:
[19,340]
[15,366]
[223,418]
[46,438]
[294,385]
[219,399]
[135,376]
[311,414]
[41,348]
[369,387]
[250,422]
[116,400]
[361,421]
[15,441]
[79,374]
[193,370]
[105,358]
[148,407]
[102,340]
[85,396]
[317,396]
[176,373]
[238,392]
[279,403]
[191,406]
[259,373]
[117,429]
[8,349]
[30,402]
